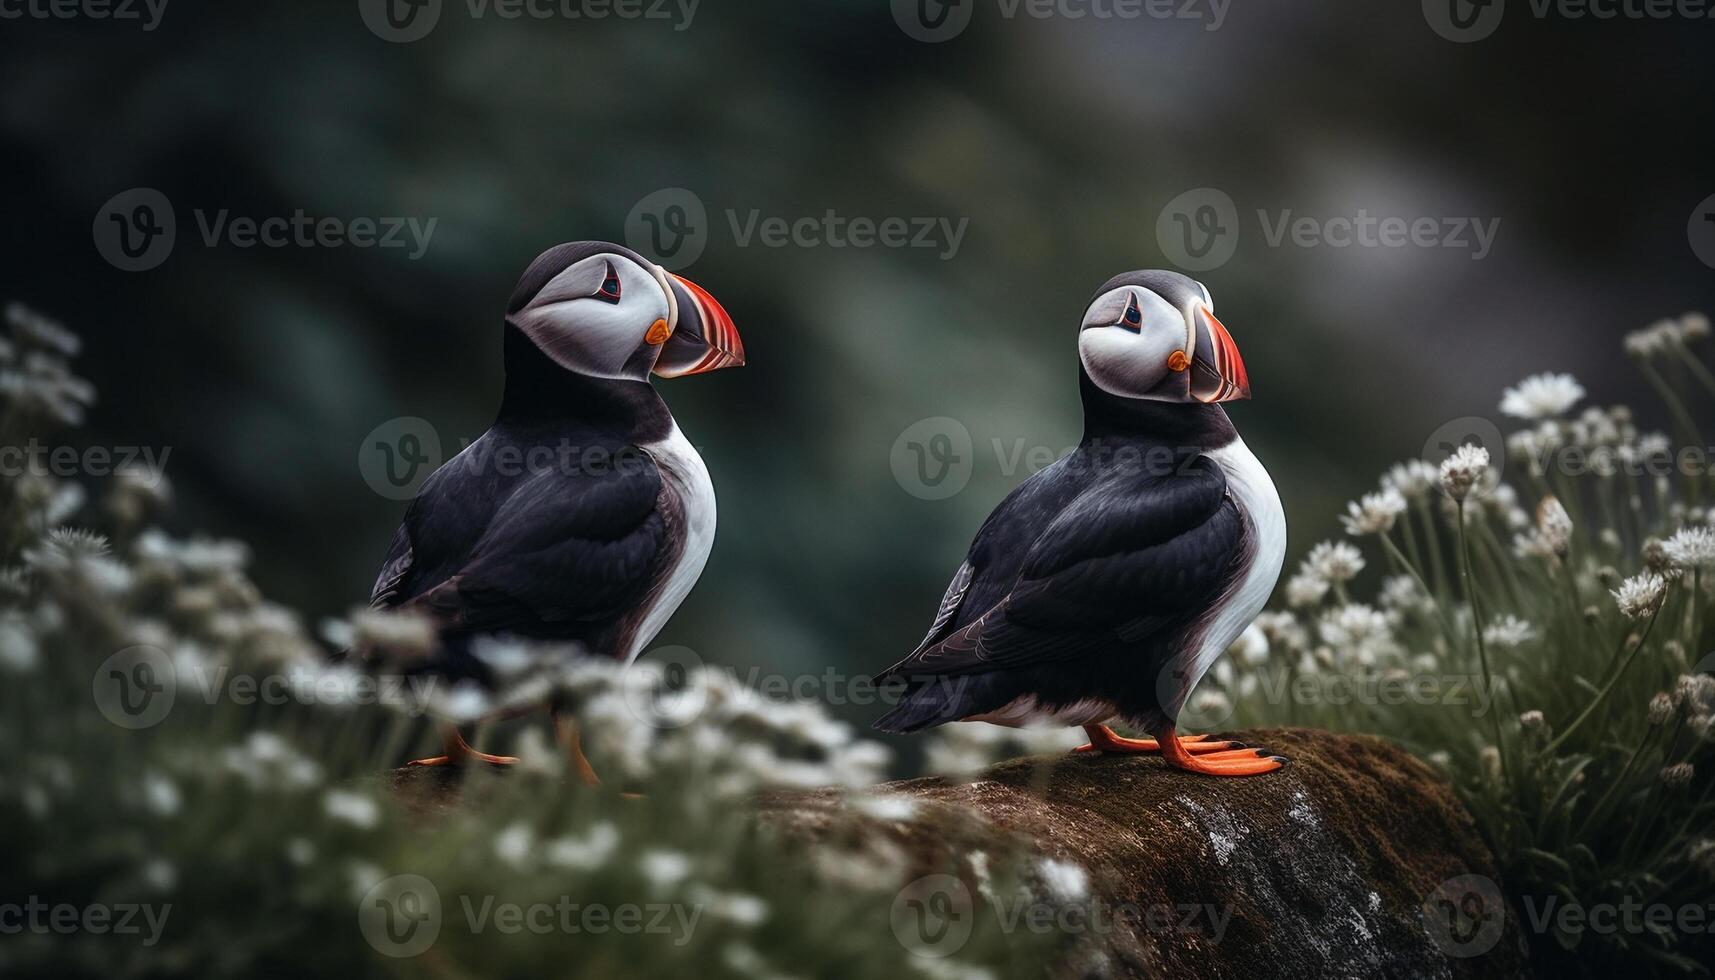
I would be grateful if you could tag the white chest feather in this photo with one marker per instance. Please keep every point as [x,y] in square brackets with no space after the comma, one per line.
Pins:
[1265,520]
[683,475]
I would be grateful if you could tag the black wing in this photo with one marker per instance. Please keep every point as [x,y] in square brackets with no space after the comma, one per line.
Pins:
[559,546]
[1118,563]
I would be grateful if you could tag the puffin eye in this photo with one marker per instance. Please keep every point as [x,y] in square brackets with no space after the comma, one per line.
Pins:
[609,290]
[1131,319]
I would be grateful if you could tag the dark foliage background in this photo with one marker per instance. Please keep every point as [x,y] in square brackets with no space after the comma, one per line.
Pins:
[1060,140]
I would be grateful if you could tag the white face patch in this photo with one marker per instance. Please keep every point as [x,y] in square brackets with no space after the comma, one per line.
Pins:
[582,331]
[1125,362]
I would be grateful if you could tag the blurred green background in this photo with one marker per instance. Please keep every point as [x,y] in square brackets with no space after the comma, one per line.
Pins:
[1060,140]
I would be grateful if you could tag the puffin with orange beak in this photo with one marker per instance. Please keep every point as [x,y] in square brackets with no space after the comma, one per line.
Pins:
[583,514]
[1106,585]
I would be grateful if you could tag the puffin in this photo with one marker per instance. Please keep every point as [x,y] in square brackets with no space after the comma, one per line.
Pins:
[583,514]
[1103,587]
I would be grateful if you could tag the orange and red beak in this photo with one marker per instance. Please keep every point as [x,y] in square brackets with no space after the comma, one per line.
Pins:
[1217,370]
[704,338]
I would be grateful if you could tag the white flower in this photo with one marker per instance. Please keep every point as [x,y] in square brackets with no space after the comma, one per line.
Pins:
[737,907]
[1305,589]
[1252,645]
[1691,548]
[515,844]
[1283,629]
[1554,525]
[1652,339]
[1357,630]
[1065,880]
[1413,479]
[1334,561]
[160,874]
[161,794]
[585,853]
[19,651]
[1542,396]
[664,868]
[1552,536]
[1509,632]
[1463,470]
[1401,592]
[1640,595]
[889,808]
[463,704]
[1693,326]
[352,808]
[1374,513]
[402,633]
[300,851]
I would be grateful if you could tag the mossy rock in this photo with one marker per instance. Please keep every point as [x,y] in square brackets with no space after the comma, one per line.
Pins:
[1322,869]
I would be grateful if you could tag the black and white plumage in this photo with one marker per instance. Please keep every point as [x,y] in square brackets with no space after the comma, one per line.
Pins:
[582,514]
[1103,587]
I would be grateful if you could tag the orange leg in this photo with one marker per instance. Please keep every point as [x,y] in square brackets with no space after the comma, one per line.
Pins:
[567,734]
[1239,762]
[458,753]
[1103,739]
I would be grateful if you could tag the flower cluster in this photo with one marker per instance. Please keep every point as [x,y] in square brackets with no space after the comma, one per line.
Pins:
[232,769]
[1585,742]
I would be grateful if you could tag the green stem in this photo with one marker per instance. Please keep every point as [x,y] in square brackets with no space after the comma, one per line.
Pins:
[1697,369]
[1482,646]
[1607,688]
[1432,534]
[1680,415]
[1416,576]
[1601,804]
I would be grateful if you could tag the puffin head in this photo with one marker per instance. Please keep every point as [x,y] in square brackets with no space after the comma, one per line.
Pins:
[1153,335]
[603,311]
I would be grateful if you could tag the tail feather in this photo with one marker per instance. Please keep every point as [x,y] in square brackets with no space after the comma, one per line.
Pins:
[933,702]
